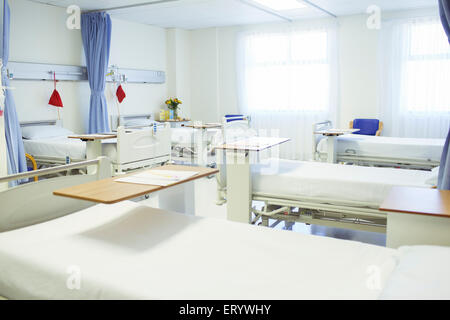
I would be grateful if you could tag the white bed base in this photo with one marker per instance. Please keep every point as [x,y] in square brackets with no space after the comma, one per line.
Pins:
[385,161]
[34,202]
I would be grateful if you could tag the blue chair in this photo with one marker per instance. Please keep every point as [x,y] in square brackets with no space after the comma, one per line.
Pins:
[234,117]
[368,127]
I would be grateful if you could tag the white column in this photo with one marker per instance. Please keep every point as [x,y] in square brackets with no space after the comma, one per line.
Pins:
[331,145]
[93,151]
[239,186]
[202,154]
[404,229]
[180,198]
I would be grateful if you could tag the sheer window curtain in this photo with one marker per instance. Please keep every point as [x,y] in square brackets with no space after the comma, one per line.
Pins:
[415,73]
[287,80]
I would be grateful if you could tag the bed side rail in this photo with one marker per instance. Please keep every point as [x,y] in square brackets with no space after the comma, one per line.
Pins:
[319,126]
[33,203]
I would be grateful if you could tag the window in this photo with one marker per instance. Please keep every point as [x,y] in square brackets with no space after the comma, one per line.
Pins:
[287,71]
[427,69]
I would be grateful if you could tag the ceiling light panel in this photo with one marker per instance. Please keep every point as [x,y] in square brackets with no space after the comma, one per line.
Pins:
[281,5]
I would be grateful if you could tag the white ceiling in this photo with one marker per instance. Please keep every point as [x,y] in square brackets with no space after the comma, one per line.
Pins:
[195,14]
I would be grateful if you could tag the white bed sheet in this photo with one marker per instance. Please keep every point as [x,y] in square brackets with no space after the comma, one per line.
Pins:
[406,148]
[333,181]
[62,147]
[127,251]
[59,147]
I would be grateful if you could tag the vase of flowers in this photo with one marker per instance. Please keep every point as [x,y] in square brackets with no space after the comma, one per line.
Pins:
[173,105]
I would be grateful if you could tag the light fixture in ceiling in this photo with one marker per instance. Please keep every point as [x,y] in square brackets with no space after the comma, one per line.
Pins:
[281,5]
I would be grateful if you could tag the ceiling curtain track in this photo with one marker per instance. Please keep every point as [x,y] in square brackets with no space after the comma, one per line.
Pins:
[136,5]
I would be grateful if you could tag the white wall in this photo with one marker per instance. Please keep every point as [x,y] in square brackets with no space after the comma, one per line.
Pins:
[138,46]
[205,91]
[358,57]
[179,68]
[39,34]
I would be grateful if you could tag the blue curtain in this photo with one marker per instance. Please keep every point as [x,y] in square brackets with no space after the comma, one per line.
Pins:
[16,155]
[444,170]
[96,34]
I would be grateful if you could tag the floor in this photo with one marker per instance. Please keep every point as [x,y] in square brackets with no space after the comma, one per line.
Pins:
[205,206]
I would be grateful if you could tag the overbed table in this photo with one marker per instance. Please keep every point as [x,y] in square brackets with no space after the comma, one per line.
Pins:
[199,140]
[93,144]
[417,216]
[332,134]
[239,179]
[180,197]
[175,123]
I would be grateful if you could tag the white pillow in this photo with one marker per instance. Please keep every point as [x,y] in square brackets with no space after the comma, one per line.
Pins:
[422,273]
[44,132]
[138,122]
[433,178]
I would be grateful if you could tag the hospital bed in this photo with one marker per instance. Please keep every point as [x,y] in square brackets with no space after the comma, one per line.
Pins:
[194,143]
[378,151]
[135,146]
[185,140]
[318,193]
[129,251]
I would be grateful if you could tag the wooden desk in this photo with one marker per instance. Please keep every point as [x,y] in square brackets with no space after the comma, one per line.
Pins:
[332,134]
[239,180]
[203,126]
[94,137]
[108,191]
[417,216]
[336,132]
[255,144]
[174,123]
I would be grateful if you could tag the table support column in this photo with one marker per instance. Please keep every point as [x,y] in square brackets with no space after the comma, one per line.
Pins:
[180,198]
[239,186]
[404,229]
[93,151]
[331,145]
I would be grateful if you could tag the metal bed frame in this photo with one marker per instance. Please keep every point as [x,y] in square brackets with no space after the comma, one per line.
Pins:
[34,202]
[351,158]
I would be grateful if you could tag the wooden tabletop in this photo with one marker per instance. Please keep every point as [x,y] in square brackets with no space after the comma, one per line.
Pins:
[203,126]
[175,120]
[253,144]
[109,191]
[421,201]
[336,132]
[93,137]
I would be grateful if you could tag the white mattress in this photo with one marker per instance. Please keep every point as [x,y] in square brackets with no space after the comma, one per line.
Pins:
[333,181]
[406,148]
[127,251]
[62,147]
[59,147]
